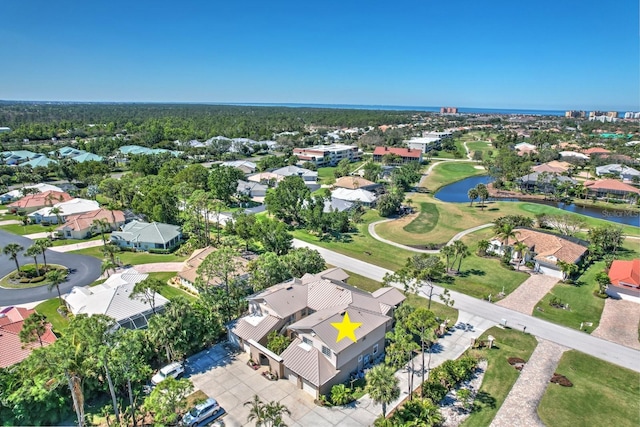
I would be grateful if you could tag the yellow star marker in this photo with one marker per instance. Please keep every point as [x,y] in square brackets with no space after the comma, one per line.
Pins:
[346,328]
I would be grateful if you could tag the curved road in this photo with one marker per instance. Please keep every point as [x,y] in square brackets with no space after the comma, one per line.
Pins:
[602,349]
[85,270]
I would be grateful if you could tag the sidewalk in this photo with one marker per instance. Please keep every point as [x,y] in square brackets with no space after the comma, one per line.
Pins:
[76,246]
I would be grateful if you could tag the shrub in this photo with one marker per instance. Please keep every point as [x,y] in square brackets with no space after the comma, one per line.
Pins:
[341,394]
[37,279]
[434,391]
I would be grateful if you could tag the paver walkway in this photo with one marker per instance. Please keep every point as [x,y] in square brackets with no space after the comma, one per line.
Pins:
[525,298]
[520,407]
[619,323]
[372,231]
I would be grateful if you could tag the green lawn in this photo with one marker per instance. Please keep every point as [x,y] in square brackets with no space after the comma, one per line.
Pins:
[326,176]
[168,291]
[482,146]
[426,221]
[133,258]
[48,309]
[500,376]
[361,245]
[23,229]
[448,172]
[65,242]
[603,394]
[583,305]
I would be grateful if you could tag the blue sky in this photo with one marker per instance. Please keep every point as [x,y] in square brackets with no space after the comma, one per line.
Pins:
[546,54]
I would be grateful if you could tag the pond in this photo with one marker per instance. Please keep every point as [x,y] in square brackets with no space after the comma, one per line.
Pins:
[457,193]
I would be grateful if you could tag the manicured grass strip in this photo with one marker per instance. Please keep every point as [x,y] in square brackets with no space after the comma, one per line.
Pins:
[603,394]
[133,258]
[500,376]
[24,229]
[65,242]
[426,220]
[49,309]
[168,291]
[361,245]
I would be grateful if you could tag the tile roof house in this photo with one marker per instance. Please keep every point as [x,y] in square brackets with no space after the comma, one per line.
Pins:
[553,166]
[597,151]
[625,280]
[67,208]
[252,189]
[406,154]
[81,226]
[305,309]
[623,171]
[543,181]
[12,349]
[36,188]
[355,182]
[545,250]
[33,202]
[610,188]
[189,271]
[366,198]
[244,165]
[306,174]
[525,148]
[112,298]
[144,236]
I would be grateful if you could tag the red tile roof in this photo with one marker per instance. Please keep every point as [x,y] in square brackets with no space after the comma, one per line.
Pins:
[624,273]
[40,200]
[610,184]
[85,220]
[596,150]
[402,152]
[13,350]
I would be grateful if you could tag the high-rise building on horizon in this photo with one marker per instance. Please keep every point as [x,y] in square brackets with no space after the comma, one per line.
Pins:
[448,110]
[574,114]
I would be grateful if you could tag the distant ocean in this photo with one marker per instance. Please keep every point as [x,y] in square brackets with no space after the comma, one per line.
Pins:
[410,108]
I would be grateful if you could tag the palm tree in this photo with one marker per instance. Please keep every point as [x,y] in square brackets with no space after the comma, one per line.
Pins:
[448,251]
[107,265]
[506,232]
[43,245]
[483,245]
[33,328]
[273,413]
[12,250]
[521,248]
[461,251]
[55,277]
[110,251]
[257,412]
[58,213]
[33,251]
[102,225]
[483,194]
[382,386]
[472,194]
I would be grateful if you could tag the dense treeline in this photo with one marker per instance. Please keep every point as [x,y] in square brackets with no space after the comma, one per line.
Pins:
[158,122]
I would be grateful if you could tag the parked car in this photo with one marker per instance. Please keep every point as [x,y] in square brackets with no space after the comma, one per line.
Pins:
[201,412]
[174,370]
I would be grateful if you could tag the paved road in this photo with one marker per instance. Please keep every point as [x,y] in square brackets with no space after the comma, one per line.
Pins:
[85,269]
[606,350]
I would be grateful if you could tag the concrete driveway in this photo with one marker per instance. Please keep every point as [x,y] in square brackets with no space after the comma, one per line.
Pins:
[225,376]
[84,270]
[619,322]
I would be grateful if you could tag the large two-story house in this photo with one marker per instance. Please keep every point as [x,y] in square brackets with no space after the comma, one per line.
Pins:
[304,309]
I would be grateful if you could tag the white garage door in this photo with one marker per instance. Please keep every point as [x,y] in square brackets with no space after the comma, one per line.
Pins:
[293,378]
[309,388]
[551,272]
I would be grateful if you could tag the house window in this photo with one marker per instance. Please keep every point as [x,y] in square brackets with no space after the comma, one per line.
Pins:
[292,318]
[375,349]
[326,351]
[307,341]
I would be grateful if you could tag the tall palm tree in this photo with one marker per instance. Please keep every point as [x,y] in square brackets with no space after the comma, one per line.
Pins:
[43,245]
[107,265]
[521,248]
[257,410]
[506,232]
[274,411]
[461,251]
[382,386]
[12,250]
[33,251]
[58,213]
[448,252]
[33,328]
[55,278]
[102,225]
[110,251]
[483,246]
[472,194]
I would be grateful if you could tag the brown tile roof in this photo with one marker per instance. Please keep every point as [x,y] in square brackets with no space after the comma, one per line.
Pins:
[353,182]
[10,326]
[596,150]
[623,273]
[40,200]
[611,184]
[402,152]
[85,220]
[548,247]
